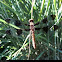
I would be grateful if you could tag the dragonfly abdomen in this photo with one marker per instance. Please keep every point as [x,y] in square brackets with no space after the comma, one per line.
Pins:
[33,40]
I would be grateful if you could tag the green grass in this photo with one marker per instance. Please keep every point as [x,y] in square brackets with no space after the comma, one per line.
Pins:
[16,47]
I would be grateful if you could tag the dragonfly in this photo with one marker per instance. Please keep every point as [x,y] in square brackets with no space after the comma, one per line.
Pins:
[32,28]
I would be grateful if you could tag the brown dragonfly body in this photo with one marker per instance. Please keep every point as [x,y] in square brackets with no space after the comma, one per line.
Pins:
[32,29]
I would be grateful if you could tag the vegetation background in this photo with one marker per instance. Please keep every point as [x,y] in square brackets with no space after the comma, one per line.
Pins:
[14,14]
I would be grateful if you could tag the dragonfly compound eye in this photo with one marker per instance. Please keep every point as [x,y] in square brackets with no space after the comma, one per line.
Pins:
[31,20]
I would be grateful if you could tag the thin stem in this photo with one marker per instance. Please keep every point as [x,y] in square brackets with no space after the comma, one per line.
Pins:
[29,45]
[55,45]
[33,2]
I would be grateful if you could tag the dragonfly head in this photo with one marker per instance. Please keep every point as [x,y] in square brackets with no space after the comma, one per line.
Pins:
[31,20]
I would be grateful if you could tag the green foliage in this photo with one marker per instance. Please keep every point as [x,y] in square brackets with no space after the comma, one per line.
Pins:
[16,47]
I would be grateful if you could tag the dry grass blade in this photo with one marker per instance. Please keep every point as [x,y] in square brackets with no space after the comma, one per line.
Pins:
[18,52]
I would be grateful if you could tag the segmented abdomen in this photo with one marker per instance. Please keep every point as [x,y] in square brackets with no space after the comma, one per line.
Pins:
[33,39]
